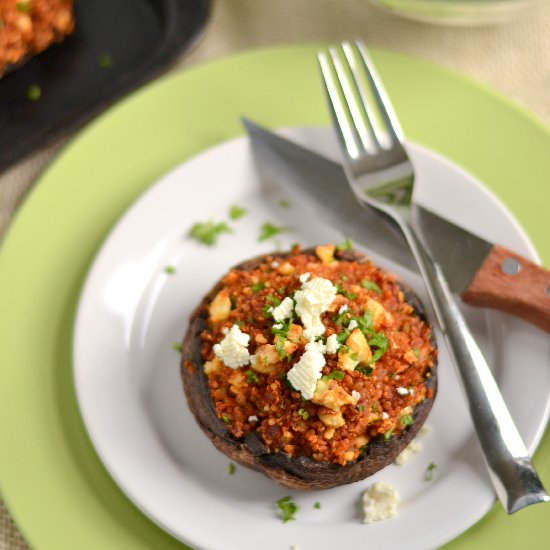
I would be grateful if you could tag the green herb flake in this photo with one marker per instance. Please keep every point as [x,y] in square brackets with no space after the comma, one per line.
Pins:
[373,408]
[208,232]
[288,508]
[416,352]
[380,342]
[346,245]
[430,471]
[343,278]
[236,212]
[283,203]
[225,419]
[303,413]
[407,420]
[364,369]
[361,408]
[34,92]
[317,505]
[170,270]
[281,290]
[251,377]
[371,285]
[280,346]
[334,375]
[105,61]
[391,374]
[268,230]
[257,287]
[387,435]
[341,290]
[23,6]
[177,347]
[231,468]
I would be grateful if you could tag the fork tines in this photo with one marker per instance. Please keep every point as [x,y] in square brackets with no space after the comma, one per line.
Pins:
[351,81]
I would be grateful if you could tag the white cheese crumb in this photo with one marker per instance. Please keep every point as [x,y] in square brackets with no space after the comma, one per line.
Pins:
[283,310]
[343,309]
[225,330]
[313,300]
[356,395]
[332,344]
[352,324]
[253,418]
[385,415]
[270,309]
[379,502]
[397,377]
[278,326]
[316,346]
[233,349]
[275,265]
[406,454]
[402,391]
[304,374]
[304,277]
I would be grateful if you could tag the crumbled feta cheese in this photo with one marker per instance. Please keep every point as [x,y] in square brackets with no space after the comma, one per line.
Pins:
[270,309]
[316,346]
[233,349]
[283,310]
[225,330]
[313,300]
[304,277]
[352,324]
[397,377]
[406,454]
[304,374]
[402,391]
[278,326]
[343,309]
[385,415]
[356,395]
[253,418]
[379,502]
[275,265]
[332,344]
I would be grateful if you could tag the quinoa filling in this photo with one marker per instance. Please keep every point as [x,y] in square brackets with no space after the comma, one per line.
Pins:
[359,359]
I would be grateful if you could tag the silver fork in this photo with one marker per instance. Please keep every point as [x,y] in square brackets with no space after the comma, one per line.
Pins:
[382,178]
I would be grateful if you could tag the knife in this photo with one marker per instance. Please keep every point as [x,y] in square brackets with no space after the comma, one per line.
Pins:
[482,273]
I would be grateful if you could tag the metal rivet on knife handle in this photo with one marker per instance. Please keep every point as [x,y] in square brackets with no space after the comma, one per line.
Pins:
[523,291]
[511,266]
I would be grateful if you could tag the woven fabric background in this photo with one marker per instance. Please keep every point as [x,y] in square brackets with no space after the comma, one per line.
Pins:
[513,58]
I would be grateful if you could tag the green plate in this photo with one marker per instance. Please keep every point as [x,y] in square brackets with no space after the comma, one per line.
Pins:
[53,483]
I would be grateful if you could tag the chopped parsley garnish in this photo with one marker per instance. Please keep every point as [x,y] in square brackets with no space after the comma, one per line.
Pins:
[317,505]
[364,369]
[334,375]
[178,347]
[343,278]
[430,471]
[342,336]
[208,232]
[361,408]
[391,374]
[281,290]
[303,413]
[387,435]
[257,287]
[268,230]
[225,419]
[236,212]
[231,468]
[407,420]
[380,342]
[371,285]
[283,203]
[288,508]
[233,300]
[341,290]
[251,377]
[346,245]
[105,61]
[373,408]
[280,346]
[23,6]
[170,269]
[416,351]
[34,92]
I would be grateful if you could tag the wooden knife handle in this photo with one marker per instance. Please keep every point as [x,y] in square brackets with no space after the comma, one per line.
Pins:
[509,282]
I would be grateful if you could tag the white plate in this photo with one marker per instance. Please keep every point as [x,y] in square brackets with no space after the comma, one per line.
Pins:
[126,370]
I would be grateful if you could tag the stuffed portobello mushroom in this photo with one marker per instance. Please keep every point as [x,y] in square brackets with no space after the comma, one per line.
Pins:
[314,367]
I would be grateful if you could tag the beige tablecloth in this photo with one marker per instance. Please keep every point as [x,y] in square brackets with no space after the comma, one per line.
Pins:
[513,58]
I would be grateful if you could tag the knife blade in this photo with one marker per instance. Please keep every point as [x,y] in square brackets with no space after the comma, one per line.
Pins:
[484,274]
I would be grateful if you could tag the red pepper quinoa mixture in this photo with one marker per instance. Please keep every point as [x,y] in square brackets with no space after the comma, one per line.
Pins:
[369,364]
[28,27]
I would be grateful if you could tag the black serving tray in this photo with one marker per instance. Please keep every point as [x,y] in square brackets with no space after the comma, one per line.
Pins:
[140,37]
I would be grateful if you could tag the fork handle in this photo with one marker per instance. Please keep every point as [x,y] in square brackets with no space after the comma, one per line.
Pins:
[512,474]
